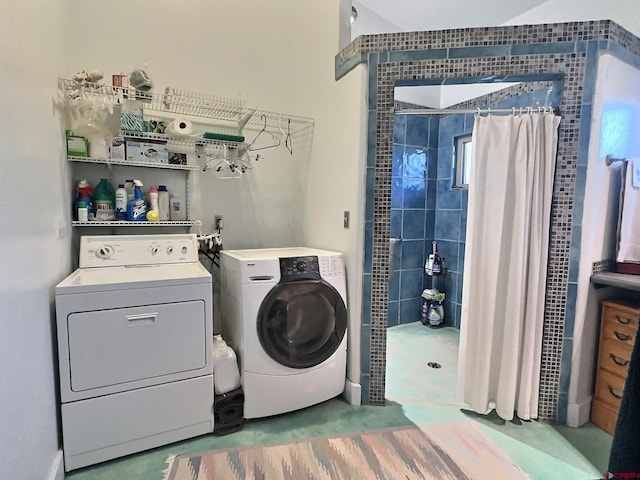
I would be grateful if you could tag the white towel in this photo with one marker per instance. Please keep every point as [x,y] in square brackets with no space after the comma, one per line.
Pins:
[629,247]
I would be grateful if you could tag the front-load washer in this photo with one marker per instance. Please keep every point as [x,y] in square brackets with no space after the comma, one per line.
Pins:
[284,312]
[134,327]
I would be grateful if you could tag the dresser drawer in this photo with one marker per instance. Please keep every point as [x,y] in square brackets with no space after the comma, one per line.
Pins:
[603,416]
[621,313]
[609,389]
[617,332]
[614,357]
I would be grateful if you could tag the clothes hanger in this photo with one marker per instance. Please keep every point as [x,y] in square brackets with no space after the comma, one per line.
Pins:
[276,141]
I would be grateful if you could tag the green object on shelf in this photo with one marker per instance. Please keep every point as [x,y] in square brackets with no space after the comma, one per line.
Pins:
[223,136]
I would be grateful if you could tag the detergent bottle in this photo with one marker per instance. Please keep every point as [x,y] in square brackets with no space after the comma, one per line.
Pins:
[104,197]
[137,208]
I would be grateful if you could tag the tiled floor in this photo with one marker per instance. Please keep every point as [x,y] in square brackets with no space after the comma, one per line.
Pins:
[416,394]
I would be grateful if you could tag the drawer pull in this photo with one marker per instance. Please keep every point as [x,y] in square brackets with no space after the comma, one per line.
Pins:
[623,320]
[141,319]
[614,392]
[622,336]
[619,361]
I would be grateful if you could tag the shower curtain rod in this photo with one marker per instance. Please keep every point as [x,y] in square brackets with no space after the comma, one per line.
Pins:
[444,111]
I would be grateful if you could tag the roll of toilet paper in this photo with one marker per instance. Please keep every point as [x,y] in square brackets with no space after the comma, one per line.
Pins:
[181,127]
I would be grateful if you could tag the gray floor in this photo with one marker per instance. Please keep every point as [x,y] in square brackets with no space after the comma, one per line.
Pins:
[416,394]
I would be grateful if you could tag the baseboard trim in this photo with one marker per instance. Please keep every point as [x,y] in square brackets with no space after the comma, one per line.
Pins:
[56,472]
[352,393]
[578,413]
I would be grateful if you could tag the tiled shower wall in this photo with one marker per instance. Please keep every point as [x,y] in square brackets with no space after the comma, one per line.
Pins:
[559,52]
[415,140]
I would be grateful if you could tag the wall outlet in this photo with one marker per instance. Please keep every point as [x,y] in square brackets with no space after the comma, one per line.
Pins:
[346,219]
[218,222]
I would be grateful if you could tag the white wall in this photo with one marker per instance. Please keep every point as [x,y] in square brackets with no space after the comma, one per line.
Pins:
[615,125]
[370,22]
[35,242]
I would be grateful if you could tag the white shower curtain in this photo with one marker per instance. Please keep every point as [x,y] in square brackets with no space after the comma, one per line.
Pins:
[505,265]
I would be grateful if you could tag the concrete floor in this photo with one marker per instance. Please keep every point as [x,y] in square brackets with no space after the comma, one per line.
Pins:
[416,394]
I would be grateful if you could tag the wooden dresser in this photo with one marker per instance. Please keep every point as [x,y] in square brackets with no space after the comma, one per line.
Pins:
[618,330]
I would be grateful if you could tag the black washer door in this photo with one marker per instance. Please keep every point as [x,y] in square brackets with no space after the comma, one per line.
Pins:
[302,323]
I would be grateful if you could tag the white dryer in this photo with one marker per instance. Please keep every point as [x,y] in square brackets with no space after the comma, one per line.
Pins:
[134,326]
[284,312]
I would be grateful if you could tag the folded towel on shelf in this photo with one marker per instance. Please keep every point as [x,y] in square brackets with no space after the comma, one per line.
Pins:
[629,230]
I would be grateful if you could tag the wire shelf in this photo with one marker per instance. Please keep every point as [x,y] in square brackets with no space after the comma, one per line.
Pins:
[130,163]
[123,223]
[181,102]
[178,141]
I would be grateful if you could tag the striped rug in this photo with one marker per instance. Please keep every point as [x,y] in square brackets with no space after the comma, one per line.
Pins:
[452,451]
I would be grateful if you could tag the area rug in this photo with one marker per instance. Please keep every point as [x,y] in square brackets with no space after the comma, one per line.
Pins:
[452,451]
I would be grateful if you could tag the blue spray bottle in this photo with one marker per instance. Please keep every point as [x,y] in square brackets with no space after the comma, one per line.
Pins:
[137,208]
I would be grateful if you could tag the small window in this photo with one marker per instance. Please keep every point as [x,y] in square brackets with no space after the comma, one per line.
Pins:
[463,161]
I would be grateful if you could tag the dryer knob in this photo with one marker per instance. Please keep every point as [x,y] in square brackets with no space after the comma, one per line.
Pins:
[154,250]
[169,250]
[301,266]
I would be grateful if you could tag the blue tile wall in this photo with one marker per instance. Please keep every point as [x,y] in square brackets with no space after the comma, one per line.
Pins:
[413,200]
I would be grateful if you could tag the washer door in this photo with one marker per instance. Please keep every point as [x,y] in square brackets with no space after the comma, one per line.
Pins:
[302,323]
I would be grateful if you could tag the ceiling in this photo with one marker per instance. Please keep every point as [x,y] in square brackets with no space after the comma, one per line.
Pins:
[383,16]
[420,15]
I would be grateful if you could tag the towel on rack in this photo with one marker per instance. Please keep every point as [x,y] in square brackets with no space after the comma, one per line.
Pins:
[629,239]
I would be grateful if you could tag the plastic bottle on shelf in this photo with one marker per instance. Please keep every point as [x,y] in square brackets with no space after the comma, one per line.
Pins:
[121,202]
[128,186]
[153,198]
[137,208]
[176,207]
[84,194]
[163,203]
[104,197]
[83,213]
[436,267]
[424,311]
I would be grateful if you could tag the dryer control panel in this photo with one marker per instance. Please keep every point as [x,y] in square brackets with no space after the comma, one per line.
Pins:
[132,250]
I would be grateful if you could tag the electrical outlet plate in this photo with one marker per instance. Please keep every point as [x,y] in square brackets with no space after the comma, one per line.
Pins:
[218,222]
[345,219]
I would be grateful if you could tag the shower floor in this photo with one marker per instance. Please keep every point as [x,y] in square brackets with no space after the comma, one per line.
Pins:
[428,395]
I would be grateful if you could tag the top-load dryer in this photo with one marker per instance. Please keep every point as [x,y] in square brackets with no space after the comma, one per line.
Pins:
[284,312]
[134,327]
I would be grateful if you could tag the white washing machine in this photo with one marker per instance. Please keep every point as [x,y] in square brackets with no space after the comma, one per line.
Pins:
[284,313]
[134,327]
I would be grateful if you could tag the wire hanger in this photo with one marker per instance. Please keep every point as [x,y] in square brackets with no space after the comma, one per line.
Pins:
[275,140]
[286,136]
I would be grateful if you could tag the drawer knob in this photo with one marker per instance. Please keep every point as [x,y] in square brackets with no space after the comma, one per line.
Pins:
[623,320]
[619,361]
[622,336]
[614,392]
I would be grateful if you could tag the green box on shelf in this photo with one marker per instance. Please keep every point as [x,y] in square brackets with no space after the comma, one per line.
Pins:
[77,146]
